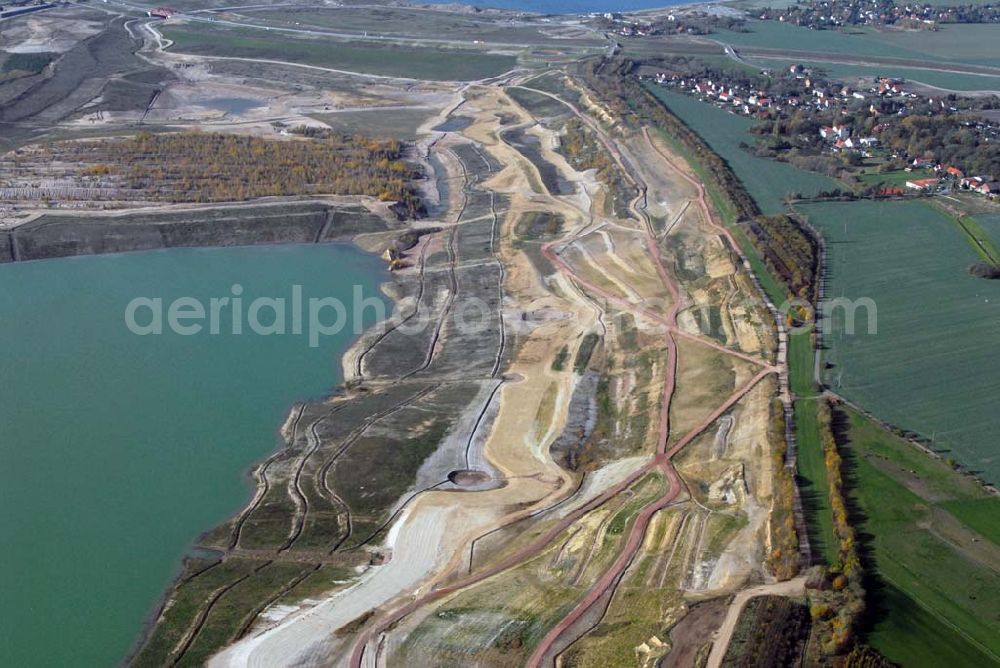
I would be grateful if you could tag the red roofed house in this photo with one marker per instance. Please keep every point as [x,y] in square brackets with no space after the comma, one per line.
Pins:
[990,188]
[922,184]
[161,12]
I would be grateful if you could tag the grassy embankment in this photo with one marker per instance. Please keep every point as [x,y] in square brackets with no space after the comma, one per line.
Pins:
[399,124]
[436,64]
[421,23]
[932,539]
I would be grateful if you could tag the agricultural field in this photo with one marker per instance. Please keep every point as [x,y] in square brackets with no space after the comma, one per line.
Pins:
[852,73]
[411,23]
[990,223]
[394,61]
[767,181]
[771,632]
[775,35]
[928,364]
[932,547]
[973,44]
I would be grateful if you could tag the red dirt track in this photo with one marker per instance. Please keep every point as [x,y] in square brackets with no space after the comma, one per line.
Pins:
[664,456]
[662,460]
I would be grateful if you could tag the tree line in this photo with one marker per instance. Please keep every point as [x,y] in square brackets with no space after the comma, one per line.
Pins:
[783,559]
[212,167]
[789,252]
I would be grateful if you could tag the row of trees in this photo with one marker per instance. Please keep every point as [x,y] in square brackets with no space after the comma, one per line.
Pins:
[789,252]
[783,560]
[837,618]
[210,167]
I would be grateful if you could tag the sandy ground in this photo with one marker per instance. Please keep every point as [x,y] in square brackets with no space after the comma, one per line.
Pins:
[428,539]
[429,542]
[418,539]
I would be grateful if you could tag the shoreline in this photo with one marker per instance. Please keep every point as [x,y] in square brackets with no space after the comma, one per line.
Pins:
[283,436]
[58,234]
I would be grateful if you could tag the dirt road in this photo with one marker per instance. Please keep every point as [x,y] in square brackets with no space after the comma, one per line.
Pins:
[720,644]
[369,640]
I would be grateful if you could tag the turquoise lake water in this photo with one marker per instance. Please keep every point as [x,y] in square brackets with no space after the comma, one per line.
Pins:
[117,450]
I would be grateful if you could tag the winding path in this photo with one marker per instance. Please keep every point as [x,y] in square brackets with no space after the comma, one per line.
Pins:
[661,462]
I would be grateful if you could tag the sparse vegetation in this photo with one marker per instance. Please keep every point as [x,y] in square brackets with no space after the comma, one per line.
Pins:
[559,363]
[583,151]
[585,351]
[16,65]
[539,226]
[213,167]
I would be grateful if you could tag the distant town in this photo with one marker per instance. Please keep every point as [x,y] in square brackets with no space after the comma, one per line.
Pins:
[869,128]
[832,14]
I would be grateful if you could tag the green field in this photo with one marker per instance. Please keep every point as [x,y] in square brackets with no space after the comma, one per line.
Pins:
[967,43]
[896,178]
[990,223]
[368,58]
[935,602]
[930,366]
[848,73]
[767,181]
[775,35]
[409,23]
[976,44]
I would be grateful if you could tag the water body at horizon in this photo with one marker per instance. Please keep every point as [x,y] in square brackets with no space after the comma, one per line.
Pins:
[117,450]
[572,6]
